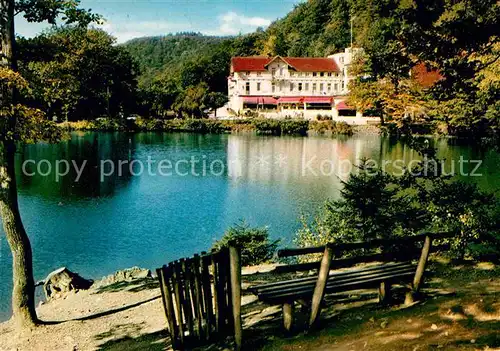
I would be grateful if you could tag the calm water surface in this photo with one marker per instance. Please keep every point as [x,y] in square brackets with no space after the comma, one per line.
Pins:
[96,228]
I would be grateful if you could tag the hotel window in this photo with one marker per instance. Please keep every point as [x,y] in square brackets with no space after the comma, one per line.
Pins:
[306,86]
[273,71]
[258,86]
[300,86]
[314,87]
[329,74]
[314,74]
[321,86]
[329,87]
[247,88]
[259,74]
[336,86]
[291,86]
[343,85]
[281,71]
[322,74]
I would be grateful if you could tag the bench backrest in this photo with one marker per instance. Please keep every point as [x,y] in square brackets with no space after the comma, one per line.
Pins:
[376,250]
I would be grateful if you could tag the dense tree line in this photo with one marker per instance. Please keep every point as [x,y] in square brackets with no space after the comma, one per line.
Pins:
[78,73]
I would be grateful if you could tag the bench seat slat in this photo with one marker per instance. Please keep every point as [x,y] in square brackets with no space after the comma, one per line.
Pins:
[350,273]
[334,278]
[332,286]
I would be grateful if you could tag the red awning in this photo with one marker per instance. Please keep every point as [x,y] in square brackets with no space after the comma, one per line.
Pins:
[291,100]
[252,100]
[318,99]
[268,100]
[343,106]
[259,100]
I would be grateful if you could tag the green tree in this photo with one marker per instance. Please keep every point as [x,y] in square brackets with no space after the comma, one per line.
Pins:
[158,99]
[192,101]
[377,204]
[80,75]
[216,100]
[20,123]
[455,38]
[256,248]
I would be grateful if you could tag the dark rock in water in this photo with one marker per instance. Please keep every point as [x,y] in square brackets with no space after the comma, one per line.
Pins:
[62,281]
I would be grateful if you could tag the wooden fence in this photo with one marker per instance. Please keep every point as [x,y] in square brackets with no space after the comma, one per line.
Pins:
[202,298]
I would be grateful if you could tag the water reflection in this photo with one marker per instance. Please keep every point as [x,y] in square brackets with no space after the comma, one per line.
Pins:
[84,151]
[96,227]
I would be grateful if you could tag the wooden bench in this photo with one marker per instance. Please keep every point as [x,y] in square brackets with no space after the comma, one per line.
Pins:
[399,261]
[202,298]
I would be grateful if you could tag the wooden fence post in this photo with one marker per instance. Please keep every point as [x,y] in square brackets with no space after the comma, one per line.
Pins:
[178,301]
[319,290]
[215,273]
[419,274]
[188,306]
[168,304]
[198,295]
[207,294]
[235,271]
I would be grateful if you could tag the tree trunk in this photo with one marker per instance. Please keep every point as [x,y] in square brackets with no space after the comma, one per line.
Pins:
[23,293]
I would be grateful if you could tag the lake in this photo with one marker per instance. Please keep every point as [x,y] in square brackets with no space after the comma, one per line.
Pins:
[95,221]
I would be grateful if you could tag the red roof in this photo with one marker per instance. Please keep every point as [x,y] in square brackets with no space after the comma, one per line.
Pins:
[256,63]
[312,64]
[300,64]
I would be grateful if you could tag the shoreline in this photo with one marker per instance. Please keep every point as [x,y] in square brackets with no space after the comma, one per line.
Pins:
[255,126]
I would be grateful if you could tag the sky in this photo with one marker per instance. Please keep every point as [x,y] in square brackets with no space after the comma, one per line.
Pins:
[127,19]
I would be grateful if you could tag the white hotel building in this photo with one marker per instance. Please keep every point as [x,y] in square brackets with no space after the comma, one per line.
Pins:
[293,86]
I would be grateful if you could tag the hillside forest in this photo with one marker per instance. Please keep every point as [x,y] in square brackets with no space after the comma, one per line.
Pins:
[80,73]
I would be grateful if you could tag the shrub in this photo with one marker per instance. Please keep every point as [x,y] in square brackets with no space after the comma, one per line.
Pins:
[79,125]
[320,117]
[294,127]
[240,126]
[331,127]
[102,124]
[267,126]
[109,124]
[256,248]
[147,124]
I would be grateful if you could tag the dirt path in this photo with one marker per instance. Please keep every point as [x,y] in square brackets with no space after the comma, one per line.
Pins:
[125,316]
[461,312]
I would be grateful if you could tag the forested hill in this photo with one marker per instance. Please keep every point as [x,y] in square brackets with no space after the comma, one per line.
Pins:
[156,55]
[312,28]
